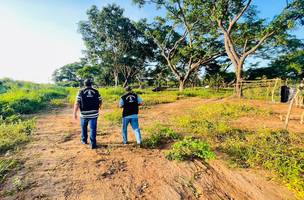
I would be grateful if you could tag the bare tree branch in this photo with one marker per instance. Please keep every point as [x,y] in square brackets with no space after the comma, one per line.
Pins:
[253,49]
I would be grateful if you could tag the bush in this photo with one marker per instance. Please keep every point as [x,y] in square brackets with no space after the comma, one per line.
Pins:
[159,135]
[189,149]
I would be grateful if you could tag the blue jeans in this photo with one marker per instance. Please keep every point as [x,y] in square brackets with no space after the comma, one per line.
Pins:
[135,126]
[84,130]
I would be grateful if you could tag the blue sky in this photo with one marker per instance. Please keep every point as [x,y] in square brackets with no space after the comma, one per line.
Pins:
[38,36]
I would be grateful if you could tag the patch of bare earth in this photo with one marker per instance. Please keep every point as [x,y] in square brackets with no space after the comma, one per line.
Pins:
[58,166]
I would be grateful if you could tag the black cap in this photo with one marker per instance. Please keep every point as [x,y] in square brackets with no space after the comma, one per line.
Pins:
[88,82]
[128,88]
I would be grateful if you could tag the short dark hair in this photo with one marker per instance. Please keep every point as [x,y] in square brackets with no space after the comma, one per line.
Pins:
[88,82]
[128,88]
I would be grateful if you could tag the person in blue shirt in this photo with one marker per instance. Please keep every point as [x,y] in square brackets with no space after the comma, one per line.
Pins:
[130,103]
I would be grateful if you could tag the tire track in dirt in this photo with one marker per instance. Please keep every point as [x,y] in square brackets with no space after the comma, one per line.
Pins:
[57,166]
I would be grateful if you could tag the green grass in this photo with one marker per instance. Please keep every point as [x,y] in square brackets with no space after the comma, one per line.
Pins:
[6,166]
[278,151]
[26,101]
[112,95]
[159,135]
[13,135]
[190,148]
[115,116]
[206,93]
[262,93]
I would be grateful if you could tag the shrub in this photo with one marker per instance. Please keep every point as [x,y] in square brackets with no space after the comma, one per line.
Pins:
[159,135]
[190,148]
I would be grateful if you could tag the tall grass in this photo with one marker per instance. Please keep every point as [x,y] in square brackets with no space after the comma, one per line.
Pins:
[16,99]
[24,101]
[206,93]
[12,135]
[111,96]
[276,150]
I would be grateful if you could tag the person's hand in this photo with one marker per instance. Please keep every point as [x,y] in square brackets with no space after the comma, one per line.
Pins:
[75,116]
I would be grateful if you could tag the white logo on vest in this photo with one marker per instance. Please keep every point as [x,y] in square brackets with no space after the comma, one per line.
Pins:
[89,93]
[130,98]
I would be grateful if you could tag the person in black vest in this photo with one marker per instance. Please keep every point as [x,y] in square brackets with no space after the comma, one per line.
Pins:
[130,103]
[89,101]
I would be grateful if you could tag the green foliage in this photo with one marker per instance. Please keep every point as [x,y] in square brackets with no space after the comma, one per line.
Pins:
[115,44]
[279,151]
[57,102]
[115,116]
[159,135]
[6,166]
[26,101]
[206,93]
[67,74]
[154,98]
[12,135]
[190,148]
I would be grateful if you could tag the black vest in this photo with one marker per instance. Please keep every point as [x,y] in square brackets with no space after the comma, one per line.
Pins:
[89,99]
[130,106]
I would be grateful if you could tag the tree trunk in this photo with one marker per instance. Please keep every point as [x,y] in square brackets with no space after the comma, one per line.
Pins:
[116,78]
[125,83]
[238,84]
[181,84]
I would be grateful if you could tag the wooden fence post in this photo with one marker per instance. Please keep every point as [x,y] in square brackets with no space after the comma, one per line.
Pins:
[273,90]
[289,109]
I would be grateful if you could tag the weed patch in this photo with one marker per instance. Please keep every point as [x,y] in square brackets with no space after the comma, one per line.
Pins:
[159,136]
[6,166]
[190,148]
[15,134]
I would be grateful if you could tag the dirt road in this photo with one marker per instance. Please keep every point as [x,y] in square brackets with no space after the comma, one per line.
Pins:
[57,166]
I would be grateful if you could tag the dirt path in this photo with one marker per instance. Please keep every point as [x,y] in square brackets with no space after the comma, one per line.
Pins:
[57,166]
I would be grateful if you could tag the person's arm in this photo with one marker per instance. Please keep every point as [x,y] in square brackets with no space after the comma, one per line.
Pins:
[140,101]
[121,103]
[76,107]
[100,101]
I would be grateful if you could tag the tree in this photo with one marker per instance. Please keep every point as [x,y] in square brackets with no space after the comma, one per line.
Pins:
[88,72]
[244,32]
[185,39]
[113,41]
[67,75]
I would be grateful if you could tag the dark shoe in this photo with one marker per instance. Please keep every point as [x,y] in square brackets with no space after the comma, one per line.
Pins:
[83,142]
[94,147]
